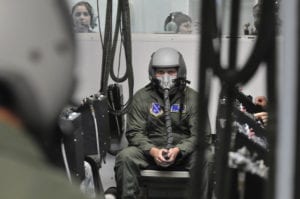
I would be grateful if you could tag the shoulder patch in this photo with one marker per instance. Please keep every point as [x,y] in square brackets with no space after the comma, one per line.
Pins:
[175,108]
[156,110]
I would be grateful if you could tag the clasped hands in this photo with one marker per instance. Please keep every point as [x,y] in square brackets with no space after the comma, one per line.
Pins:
[164,157]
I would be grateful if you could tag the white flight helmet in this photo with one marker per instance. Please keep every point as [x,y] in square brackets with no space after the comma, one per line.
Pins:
[36,58]
[167,58]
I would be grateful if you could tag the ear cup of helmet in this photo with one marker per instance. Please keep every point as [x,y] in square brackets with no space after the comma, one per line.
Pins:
[93,22]
[171,26]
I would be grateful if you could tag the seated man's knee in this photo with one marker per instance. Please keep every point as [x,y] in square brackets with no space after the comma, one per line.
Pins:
[128,155]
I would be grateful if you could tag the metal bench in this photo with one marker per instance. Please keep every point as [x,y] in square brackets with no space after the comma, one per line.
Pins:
[157,184]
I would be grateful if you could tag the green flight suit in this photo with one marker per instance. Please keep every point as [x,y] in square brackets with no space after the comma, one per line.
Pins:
[146,129]
[25,173]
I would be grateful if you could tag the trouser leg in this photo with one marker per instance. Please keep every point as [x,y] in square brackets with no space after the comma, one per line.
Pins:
[127,170]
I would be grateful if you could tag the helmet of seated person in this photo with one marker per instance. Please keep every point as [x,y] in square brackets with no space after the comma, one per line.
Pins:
[178,22]
[36,61]
[168,58]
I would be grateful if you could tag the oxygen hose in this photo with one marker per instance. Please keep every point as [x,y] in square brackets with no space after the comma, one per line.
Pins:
[166,82]
[168,124]
[168,119]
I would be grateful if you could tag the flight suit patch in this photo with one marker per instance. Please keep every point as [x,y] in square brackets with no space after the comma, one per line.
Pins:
[175,108]
[156,110]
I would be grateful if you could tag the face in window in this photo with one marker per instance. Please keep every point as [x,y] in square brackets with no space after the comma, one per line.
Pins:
[160,72]
[81,19]
[185,28]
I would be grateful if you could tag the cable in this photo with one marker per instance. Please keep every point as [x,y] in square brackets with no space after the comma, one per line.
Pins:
[120,54]
[123,17]
[98,19]
[106,49]
[115,116]
[64,155]
[96,129]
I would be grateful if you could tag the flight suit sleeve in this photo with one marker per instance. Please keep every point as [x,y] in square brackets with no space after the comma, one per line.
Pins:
[136,125]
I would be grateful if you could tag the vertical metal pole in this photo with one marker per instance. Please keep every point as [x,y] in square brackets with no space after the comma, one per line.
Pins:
[285,153]
[205,74]
[297,167]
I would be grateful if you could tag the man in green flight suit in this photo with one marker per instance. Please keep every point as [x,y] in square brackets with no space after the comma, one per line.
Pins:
[37,76]
[161,125]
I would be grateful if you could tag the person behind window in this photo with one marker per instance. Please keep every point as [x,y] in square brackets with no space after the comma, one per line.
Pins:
[83,17]
[165,100]
[178,22]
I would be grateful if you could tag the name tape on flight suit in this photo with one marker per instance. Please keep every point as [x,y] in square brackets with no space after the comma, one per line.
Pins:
[156,109]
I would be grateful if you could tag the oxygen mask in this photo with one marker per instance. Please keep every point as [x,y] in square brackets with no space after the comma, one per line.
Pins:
[167,81]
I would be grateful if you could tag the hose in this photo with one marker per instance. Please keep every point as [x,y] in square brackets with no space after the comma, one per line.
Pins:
[168,121]
[123,26]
